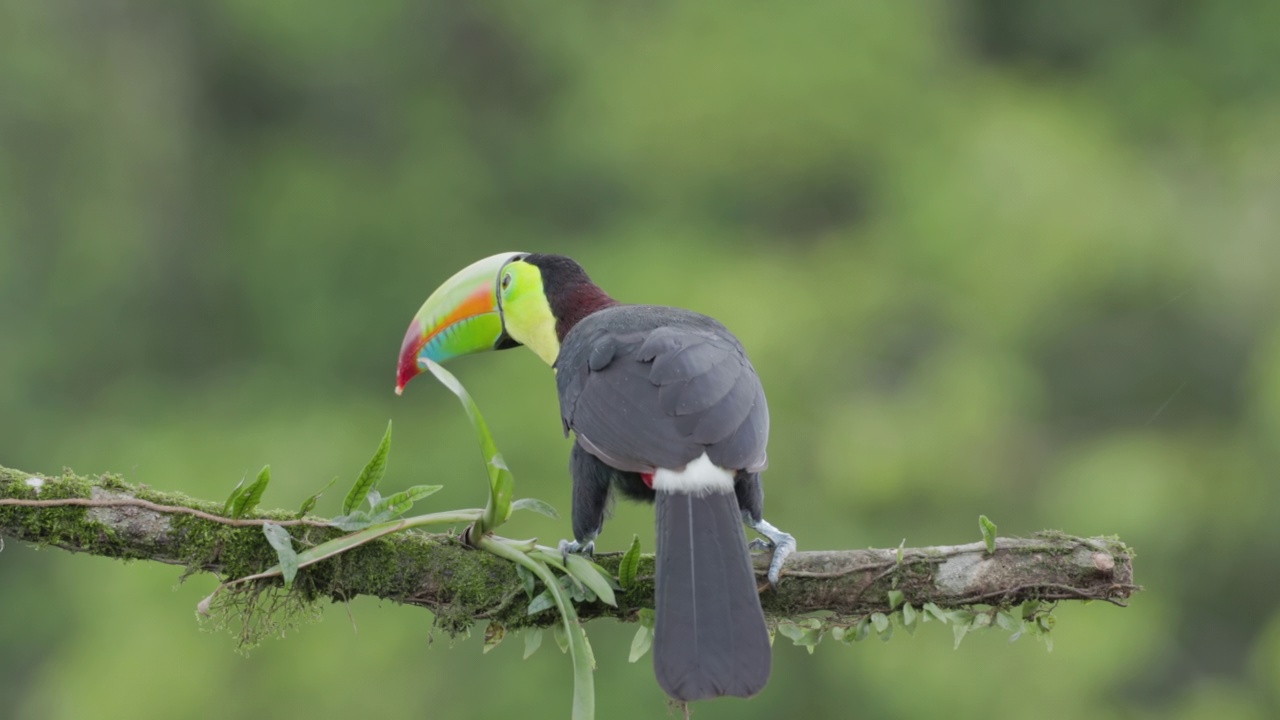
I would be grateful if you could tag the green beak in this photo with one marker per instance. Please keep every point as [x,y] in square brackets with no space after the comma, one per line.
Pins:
[463,316]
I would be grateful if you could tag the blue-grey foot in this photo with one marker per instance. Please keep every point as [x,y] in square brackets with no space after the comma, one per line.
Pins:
[782,544]
[573,546]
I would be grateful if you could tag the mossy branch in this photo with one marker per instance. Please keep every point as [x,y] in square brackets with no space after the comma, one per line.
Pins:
[106,516]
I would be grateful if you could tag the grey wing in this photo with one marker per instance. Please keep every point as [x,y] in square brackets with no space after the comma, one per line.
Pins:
[663,397]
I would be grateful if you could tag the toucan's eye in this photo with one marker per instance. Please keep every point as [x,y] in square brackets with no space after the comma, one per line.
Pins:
[506,281]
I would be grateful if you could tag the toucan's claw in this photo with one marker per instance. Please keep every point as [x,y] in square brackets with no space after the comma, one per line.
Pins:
[573,546]
[758,545]
[782,544]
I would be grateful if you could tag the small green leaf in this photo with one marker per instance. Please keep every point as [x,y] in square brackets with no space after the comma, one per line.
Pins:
[988,533]
[647,616]
[881,622]
[936,611]
[630,564]
[493,634]
[593,576]
[400,503]
[908,615]
[901,547]
[1029,609]
[862,630]
[532,640]
[895,599]
[283,544]
[838,632]
[370,476]
[792,631]
[980,621]
[959,630]
[310,502]
[574,588]
[641,643]
[562,636]
[537,506]
[1007,621]
[542,601]
[527,578]
[357,520]
[960,617]
[236,492]
[251,495]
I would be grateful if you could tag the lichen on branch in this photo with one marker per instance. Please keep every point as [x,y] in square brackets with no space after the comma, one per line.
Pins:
[105,516]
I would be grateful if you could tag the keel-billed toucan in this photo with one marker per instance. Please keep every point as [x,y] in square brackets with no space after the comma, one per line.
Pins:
[665,407]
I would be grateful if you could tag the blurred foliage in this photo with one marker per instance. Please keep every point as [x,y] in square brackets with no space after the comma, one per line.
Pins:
[1013,258]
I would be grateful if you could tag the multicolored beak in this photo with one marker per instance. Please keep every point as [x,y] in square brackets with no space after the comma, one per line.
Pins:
[463,316]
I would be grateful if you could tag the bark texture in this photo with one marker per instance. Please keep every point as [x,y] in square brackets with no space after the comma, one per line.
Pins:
[105,516]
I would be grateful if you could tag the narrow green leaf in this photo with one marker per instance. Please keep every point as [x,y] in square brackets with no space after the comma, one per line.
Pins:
[527,579]
[980,621]
[647,617]
[960,617]
[591,576]
[641,643]
[562,637]
[959,630]
[537,506]
[895,599]
[283,544]
[591,654]
[988,533]
[252,494]
[532,640]
[936,611]
[908,615]
[542,601]
[236,492]
[501,482]
[370,476]
[630,564]
[400,503]
[494,632]
[310,502]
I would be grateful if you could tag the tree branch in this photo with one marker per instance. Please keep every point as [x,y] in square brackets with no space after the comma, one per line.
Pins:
[106,516]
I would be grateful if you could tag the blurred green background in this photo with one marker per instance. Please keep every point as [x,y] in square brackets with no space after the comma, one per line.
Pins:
[989,256]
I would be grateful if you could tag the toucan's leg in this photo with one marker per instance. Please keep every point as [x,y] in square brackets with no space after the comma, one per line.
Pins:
[590,500]
[750,493]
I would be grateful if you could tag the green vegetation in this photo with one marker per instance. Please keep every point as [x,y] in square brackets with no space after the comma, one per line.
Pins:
[988,257]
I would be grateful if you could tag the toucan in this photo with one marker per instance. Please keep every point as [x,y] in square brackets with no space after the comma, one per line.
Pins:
[664,407]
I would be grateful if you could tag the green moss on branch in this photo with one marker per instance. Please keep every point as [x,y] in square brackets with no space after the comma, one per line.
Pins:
[461,585]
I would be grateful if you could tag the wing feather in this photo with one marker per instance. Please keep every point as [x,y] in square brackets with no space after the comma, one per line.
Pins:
[648,387]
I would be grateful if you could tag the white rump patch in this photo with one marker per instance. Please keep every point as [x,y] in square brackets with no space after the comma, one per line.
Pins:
[700,477]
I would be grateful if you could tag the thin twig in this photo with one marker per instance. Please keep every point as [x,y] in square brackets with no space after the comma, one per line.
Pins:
[166,509]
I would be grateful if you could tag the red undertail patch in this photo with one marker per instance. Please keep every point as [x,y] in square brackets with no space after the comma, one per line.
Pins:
[648,479]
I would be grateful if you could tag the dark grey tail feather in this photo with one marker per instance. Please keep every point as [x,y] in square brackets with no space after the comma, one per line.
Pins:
[710,637]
